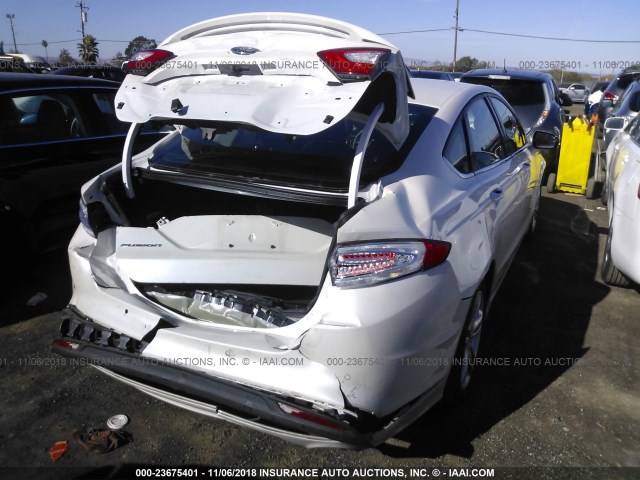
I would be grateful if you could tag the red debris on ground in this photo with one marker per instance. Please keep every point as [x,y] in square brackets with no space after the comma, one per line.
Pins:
[58,450]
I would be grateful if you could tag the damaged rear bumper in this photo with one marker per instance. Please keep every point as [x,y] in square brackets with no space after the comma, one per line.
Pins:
[119,356]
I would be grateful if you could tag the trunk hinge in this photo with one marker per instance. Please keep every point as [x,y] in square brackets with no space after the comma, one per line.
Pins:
[126,159]
[358,159]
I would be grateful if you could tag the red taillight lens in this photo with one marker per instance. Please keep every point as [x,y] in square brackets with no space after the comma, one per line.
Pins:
[146,61]
[352,63]
[295,412]
[610,96]
[370,263]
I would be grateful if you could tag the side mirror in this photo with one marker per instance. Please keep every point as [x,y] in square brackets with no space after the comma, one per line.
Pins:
[614,123]
[544,140]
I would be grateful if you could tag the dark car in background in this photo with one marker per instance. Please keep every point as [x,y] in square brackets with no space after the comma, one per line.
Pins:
[56,132]
[625,110]
[536,99]
[433,74]
[104,71]
[618,85]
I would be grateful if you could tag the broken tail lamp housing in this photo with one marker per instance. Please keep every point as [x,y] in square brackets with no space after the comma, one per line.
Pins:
[359,265]
[146,61]
[353,64]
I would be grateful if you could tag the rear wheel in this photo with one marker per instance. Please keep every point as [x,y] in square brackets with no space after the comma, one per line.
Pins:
[467,350]
[591,188]
[610,274]
[551,183]
[534,219]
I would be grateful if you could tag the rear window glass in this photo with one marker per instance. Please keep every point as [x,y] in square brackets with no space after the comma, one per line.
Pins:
[322,160]
[517,92]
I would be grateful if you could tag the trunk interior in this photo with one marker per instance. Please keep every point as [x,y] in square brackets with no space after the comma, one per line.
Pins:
[221,257]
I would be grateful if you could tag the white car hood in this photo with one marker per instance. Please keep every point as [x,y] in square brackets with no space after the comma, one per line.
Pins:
[286,89]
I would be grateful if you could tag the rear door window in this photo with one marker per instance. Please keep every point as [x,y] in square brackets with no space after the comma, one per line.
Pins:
[485,140]
[514,134]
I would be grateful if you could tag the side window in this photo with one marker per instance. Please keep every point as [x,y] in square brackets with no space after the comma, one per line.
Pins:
[455,150]
[104,102]
[485,140]
[38,118]
[515,137]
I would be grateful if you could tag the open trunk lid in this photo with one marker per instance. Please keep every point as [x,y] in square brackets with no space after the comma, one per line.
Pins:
[288,73]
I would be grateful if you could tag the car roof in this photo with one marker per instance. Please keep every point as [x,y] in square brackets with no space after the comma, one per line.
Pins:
[25,81]
[530,75]
[436,93]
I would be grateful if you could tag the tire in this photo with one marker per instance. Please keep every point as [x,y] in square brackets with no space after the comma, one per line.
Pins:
[600,154]
[551,183]
[610,274]
[591,188]
[604,194]
[534,219]
[467,350]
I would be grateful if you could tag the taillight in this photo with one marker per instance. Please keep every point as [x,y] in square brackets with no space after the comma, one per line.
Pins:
[146,61]
[296,412]
[364,264]
[610,96]
[352,64]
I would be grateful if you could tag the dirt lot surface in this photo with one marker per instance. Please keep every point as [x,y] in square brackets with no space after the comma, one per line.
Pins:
[565,403]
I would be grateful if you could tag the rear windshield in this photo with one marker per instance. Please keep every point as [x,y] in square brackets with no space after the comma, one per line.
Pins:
[322,160]
[517,92]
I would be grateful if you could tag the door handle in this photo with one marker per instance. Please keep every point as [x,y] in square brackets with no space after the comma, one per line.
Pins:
[496,194]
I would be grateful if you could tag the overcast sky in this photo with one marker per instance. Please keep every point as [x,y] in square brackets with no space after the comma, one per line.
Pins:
[115,22]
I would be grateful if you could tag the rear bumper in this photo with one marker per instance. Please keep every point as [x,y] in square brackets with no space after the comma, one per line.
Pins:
[201,392]
[263,411]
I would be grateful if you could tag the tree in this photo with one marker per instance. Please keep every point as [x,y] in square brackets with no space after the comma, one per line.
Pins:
[65,59]
[139,43]
[88,49]
[467,63]
[117,59]
[45,44]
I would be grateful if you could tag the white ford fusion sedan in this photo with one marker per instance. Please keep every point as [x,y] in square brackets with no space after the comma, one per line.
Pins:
[312,249]
[621,260]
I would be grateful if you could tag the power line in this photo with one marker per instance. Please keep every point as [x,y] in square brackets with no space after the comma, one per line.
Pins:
[562,39]
[77,40]
[416,31]
[539,37]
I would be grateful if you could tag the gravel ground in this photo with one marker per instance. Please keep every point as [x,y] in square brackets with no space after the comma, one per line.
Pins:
[565,403]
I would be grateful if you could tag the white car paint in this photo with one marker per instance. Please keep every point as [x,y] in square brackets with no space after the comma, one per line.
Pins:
[353,351]
[623,190]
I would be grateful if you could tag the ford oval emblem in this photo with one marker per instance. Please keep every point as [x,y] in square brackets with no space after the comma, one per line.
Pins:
[244,50]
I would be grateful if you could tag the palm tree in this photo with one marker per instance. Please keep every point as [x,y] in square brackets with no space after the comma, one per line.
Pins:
[45,44]
[88,49]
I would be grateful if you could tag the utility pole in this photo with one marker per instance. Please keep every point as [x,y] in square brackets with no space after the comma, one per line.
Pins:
[11,16]
[83,14]
[455,38]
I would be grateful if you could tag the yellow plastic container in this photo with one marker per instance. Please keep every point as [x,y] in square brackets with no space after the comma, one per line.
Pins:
[575,156]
